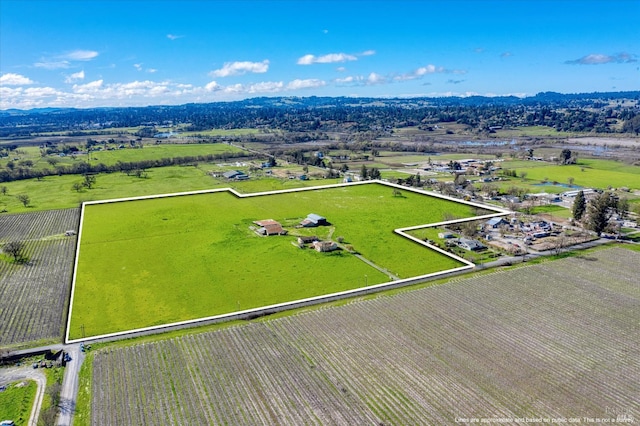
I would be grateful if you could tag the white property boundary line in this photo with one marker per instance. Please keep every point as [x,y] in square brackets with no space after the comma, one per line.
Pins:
[295,303]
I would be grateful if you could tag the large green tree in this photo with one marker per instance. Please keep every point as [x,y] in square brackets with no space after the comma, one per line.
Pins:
[579,206]
[598,212]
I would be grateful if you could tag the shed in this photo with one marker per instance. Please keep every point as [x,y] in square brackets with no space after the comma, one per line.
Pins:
[307,240]
[235,174]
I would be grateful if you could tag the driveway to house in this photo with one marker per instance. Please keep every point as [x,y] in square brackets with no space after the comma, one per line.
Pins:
[15,374]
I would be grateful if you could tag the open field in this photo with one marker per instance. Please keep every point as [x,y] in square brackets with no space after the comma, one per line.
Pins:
[109,157]
[587,173]
[33,296]
[157,152]
[555,340]
[164,260]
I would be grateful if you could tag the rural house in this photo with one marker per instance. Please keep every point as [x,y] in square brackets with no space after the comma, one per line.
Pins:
[470,245]
[323,246]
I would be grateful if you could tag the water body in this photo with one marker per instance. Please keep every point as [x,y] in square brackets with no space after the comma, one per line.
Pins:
[563,185]
[488,143]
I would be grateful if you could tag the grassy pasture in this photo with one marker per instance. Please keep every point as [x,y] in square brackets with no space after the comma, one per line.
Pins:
[150,262]
[149,152]
[16,401]
[587,173]
[157,152]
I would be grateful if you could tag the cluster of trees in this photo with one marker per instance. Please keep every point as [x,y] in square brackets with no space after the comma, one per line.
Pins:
[586,112]
[596,213]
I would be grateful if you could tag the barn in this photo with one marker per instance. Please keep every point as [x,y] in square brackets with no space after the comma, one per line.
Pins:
[312,220]
[270,227]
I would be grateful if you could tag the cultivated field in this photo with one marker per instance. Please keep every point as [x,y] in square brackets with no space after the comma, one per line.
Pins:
[550,341]
[164,260]
[33,295]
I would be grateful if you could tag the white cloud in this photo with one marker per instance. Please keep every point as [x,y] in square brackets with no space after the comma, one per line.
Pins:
[266,87]
[426,70]
[240,68]
[74,77]
[349,79]
[149,70]
[52,64]
[368,53]
[598,59]
[234,88]
[174,37]
[375,78]
[429,69]
[326,59]
[212,87]
[80,55]
[11,79]
[92,87]
[305,84]
[64,61]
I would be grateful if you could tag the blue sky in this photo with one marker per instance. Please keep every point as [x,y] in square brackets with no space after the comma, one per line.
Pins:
[88,53]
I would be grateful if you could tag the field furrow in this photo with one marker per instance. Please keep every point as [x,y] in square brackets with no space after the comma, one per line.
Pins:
[539,341]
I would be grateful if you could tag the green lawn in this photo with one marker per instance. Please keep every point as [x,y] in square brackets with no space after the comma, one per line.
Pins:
[157,152]
[151,262]
[16,401]
[587,173]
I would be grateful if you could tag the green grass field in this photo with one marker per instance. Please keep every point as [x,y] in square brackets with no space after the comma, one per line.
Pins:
[157,152]
[149,152]
[157,261]
[587,173]
[16,401]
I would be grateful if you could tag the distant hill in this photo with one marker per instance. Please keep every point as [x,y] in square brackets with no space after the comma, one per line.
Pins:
[329,113]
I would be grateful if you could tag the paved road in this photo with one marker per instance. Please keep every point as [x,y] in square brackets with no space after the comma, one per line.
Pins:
[14,374]
[69,391]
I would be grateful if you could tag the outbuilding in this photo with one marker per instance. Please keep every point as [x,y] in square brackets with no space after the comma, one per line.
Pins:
[313,220]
